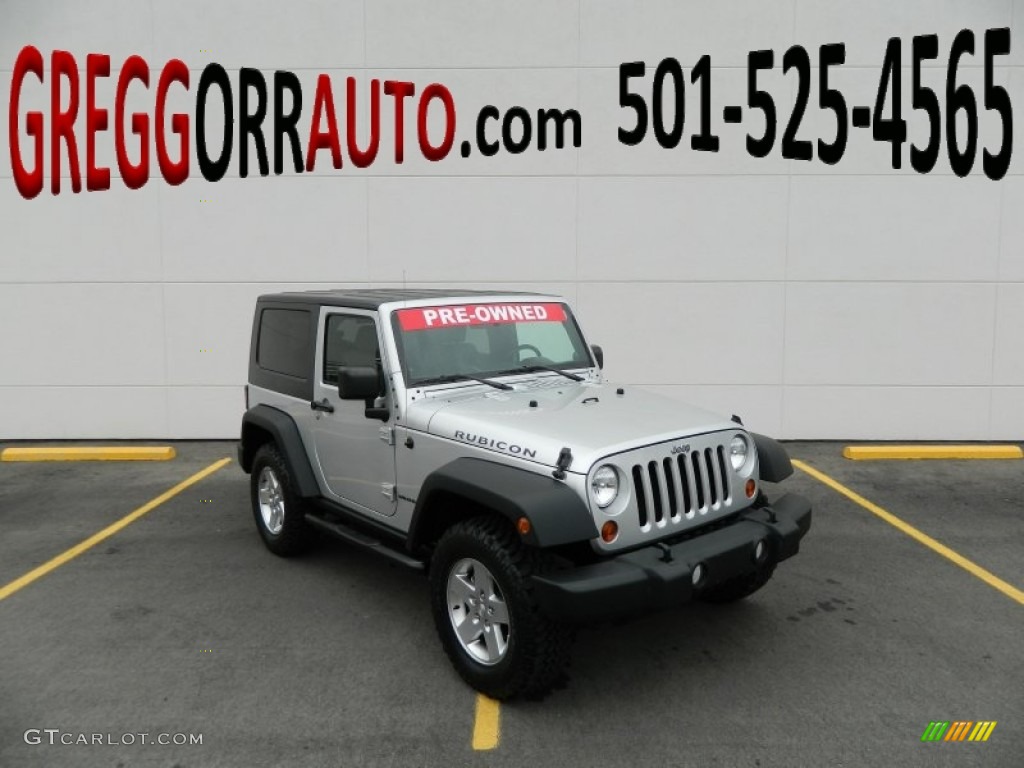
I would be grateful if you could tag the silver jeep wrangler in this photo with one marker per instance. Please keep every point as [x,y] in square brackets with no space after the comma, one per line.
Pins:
[471,435]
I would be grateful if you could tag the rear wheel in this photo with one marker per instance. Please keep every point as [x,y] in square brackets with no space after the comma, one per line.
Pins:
[486,614]
[278,510]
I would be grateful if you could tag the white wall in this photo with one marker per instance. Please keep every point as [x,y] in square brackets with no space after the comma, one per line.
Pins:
[844,302]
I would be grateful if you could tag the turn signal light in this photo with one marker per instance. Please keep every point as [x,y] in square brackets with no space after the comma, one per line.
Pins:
[609,532]
[523,526]
[750,488]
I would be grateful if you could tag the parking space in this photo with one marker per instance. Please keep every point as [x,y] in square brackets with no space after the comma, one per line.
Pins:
[183,623]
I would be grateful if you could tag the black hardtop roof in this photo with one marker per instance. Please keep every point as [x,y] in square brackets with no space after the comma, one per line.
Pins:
[372,298]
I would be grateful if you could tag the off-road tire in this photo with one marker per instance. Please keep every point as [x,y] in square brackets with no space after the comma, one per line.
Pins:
[738,588]
[295,535]
[537,656]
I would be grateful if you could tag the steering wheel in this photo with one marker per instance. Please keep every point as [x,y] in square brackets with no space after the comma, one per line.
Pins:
[521,347]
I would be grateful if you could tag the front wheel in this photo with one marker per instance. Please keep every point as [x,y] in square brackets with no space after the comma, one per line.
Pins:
[486,615]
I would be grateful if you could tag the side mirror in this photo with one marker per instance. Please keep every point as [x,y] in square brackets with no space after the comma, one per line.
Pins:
[598,355]
[358,383]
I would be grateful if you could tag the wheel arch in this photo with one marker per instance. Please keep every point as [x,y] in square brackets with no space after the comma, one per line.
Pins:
[467,487]
[262,424]
[772,459]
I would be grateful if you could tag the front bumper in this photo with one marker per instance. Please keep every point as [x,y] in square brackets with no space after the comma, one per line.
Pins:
[661,576]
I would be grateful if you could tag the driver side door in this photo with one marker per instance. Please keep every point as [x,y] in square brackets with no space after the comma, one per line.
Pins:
[356,453]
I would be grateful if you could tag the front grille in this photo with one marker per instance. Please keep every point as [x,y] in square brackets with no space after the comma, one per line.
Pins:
[676,488]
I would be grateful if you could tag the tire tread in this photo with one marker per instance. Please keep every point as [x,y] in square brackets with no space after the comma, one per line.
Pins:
[546,644]
[296,536]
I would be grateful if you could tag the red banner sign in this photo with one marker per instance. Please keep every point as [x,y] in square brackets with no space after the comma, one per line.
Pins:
[423,318]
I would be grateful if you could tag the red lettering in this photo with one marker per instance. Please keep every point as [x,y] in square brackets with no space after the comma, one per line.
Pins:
[135,68]
[360,158]
[438,91]
[29,183]
[96,65]
[174,71]
[399,89]
[62,124]
[324,102]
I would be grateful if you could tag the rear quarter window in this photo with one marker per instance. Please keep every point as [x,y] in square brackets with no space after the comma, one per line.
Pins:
[284,342]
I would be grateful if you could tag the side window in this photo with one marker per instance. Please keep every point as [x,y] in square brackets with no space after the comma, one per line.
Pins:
[284,343]
[349,340]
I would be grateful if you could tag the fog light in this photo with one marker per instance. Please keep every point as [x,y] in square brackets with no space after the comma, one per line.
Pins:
[523,526]
[750,488]
[698,574]
[609,532]
[760,550]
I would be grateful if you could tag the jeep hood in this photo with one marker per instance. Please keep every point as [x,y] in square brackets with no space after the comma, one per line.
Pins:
[541,416]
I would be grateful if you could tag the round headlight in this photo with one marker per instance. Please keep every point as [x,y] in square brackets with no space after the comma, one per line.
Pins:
[738,450]
[604,486]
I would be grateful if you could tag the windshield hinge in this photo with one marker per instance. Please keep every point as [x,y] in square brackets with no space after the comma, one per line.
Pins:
[564,460]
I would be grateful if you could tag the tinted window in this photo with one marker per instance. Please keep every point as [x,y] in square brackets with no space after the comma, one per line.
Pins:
[284,345]
[351,340]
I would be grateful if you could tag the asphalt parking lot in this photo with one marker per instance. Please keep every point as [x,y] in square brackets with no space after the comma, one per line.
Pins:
[182,623]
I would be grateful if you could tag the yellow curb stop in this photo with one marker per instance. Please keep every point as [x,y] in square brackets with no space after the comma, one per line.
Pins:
[879,452]
[90,453]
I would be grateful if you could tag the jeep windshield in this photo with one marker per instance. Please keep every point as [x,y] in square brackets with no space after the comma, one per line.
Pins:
[473,341]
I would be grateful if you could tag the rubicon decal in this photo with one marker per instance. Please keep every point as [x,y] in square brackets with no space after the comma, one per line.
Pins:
[499,445]
[423,318]
[270,125]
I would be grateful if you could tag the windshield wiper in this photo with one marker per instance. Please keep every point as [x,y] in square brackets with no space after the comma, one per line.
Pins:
[559,371]
[449,378]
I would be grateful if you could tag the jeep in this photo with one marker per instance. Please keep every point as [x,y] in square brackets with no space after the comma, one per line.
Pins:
[472,436]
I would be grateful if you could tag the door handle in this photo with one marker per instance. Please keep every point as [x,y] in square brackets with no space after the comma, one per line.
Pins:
[324,405]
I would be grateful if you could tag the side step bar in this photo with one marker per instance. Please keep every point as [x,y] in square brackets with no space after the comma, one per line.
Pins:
[360,539]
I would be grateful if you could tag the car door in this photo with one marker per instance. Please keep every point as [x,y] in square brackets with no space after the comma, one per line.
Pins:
[356,453]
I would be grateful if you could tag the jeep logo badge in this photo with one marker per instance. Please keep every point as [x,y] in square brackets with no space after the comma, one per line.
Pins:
[681,448]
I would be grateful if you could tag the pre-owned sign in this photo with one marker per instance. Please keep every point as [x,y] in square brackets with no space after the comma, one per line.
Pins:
[422,318]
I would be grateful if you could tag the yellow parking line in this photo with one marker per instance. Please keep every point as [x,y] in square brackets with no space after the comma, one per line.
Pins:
[989,578]
[90,453]
[37,573]
[487,727]
[875,452]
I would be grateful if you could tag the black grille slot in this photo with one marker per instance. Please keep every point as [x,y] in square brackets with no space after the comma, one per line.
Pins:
[698,478]
[656,500]
[684,477]
[713,479]
[670,487]
[722,473]
[641,499]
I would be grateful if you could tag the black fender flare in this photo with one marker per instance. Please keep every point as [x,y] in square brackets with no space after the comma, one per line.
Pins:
[285,433]
[556,513]
[772,459]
